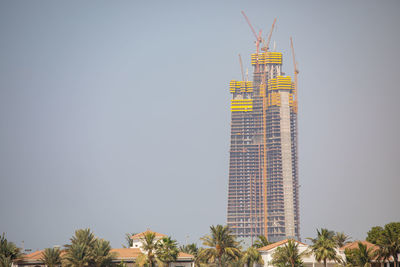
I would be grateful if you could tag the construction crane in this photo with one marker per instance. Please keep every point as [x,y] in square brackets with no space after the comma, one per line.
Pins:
[241,67]
[258,37]
[266,44]
[296,70]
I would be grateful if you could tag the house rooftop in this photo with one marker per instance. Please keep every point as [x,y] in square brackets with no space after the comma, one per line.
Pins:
[277,244]
[354,245]
[120,253]
[35,256]
[126,253]
[140,235]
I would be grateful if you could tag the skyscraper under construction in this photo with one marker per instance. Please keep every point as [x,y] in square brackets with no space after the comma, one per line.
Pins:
[263,196]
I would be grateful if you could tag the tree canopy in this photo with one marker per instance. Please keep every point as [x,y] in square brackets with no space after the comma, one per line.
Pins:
[323,246]
[361,256]
[8,252]
[87,250]
[221,243]
[288,255]
[51,257]
[261,241]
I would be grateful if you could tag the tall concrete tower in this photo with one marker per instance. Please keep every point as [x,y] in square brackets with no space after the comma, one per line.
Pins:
[263,196]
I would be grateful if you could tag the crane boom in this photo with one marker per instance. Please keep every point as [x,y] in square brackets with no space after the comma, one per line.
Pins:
[258,37]
[248,22]
[296,71]
[266,45]
[241,67]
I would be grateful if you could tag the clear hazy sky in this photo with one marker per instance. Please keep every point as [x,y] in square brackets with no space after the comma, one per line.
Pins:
[114,115]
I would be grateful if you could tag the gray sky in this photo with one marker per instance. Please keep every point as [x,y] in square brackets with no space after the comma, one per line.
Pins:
[114,115]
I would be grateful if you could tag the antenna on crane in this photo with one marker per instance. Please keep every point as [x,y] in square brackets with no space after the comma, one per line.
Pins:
[241,67]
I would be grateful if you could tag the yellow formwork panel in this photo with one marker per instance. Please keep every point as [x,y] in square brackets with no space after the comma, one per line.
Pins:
[232,85]
[241,105]
[293,102]
[240,86]
[261,58]
[272,85]
[274,99]
[254,59]
[280,83]
[249,86]
[266,58]
[273,58]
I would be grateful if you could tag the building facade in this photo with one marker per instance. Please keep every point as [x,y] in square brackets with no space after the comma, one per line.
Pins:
[263,197]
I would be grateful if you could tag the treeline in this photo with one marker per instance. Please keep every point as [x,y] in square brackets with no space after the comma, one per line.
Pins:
[220,248]
[325,246]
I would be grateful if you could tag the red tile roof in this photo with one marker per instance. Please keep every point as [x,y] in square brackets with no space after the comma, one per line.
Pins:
[125,253]
[140,235]
[185,255]
[121,253]
[277,244]
[35,256]
[354,245]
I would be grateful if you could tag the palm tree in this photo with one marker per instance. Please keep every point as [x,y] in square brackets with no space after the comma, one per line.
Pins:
[262,241]
[167,250]
[362,256]
[200,260]
[288,255]
[8,252]
[80,252]
[251,256]
[323,246]
[5,261]
[221,243]
[51,257]
[389,242]
[77,255]
[83,236]
[128,238]
[230,262]
[9,249]
[102,255]
[341,239]
[149,246]
[323,234]
[191,249]
[85,249]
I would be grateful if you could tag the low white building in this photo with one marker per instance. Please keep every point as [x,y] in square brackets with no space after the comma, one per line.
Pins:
[183,260]
[137,239]
[308,260]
